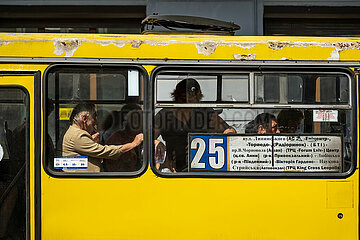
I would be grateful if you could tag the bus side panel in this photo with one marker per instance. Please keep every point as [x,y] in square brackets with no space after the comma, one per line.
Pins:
[150,207]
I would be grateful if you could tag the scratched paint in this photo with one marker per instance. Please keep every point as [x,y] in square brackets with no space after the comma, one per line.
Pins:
[334,55]
[136,43]
[119,44]
[245,49]
[69,46]
[250,56]
[207,47]
[3,43]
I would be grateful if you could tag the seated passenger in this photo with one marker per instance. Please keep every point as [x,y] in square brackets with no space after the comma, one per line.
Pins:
[81,139]
[263,123]
[174,124]
[289,120]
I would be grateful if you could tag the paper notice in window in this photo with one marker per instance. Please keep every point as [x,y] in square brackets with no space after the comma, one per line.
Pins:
[80,162]
[325,115]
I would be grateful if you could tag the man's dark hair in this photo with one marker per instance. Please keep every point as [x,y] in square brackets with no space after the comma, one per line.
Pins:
[82,107]
[263,119]
[287,115]
[289,120]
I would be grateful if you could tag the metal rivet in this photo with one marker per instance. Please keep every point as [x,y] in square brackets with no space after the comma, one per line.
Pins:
[340,215]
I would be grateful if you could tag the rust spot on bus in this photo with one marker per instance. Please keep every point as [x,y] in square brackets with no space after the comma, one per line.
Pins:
[340,46]
[277,45]
[347,45]
[250,56]
[136,43]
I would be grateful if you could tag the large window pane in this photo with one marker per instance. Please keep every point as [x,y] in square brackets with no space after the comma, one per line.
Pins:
[13,144]
[116,96]
[214,88]
[276,130]
[295,88]
[235,88]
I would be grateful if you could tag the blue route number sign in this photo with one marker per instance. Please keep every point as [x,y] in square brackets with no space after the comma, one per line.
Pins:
[208,153]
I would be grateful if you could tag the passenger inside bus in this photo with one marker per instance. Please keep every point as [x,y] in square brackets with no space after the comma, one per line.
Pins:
[81,139]
[131,160]
[289,120]
[174,124]
[115,121]
[262,124]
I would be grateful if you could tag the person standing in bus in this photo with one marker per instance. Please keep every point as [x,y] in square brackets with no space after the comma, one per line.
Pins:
[174,124]
[130,161]
[81,139]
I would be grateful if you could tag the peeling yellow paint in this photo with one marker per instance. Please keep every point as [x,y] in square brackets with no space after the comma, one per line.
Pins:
[277,45]
[334,55]
[106,43]
[247,45]
[69,46]
[136,43]
[207,47]
[178,47]
[3,43]
[250,56]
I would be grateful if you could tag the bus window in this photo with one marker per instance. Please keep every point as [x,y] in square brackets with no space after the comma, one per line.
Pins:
[301,88]
[106,104]
[256,123]
[12,163]
[234,88]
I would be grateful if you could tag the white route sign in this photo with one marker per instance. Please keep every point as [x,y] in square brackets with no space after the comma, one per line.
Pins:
[285,153]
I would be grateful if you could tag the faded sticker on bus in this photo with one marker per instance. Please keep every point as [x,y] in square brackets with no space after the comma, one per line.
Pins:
[80,162]
[268,153]
[65,113]
[325,115]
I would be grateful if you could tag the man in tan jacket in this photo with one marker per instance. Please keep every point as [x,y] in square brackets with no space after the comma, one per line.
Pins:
[81,139]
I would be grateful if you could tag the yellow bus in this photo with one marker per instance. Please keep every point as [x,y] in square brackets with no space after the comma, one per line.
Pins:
[260,136]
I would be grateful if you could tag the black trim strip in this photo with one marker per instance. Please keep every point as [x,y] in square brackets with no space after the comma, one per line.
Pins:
[11,101]
[37,139]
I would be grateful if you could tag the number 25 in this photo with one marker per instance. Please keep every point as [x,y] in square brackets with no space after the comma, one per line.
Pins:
[214,162]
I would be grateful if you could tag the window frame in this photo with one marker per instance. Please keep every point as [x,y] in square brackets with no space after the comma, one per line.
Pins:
[27,141]
[142,89]
[352,105]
